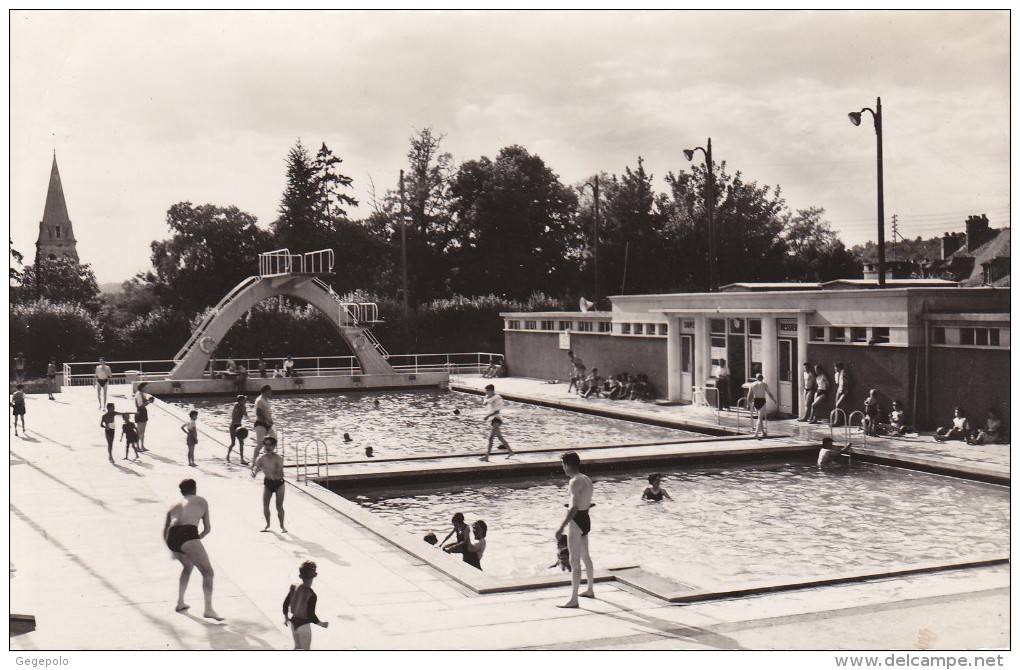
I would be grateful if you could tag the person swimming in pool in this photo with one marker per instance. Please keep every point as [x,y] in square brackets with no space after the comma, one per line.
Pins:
[180,532]
[652,491]
[828,452]
[271,464]
[577,524]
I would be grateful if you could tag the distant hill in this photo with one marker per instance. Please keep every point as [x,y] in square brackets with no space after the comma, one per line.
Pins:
[111,287]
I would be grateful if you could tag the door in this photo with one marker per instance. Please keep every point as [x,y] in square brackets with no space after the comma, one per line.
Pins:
[787,376]
[686,367]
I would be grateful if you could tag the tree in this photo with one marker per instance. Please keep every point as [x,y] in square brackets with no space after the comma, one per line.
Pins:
[58,280]
[66,332]
[514,230]
[814,251]
[748,223]
[211,250]
[16,259]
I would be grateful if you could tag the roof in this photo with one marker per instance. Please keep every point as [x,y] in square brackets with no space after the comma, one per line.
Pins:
[891,283]
[967,265]
[770,286]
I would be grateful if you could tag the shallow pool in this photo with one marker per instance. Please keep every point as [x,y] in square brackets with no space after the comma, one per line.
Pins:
[423,423]
[729,526]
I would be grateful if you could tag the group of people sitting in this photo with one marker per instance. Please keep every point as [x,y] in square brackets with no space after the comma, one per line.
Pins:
[620,386]
[876,423]
[960,429]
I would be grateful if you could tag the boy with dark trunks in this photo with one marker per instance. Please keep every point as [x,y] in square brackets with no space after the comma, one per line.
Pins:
[237,413]
[129,433]
[271,464]
[180,532]
[263,421]
[577,524]
[109,426]
[299,608]
[18,408]
[493,404]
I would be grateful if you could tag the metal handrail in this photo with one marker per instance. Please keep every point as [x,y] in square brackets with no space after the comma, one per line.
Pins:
[833,415]
[320,261]
[849,422]
[743,404]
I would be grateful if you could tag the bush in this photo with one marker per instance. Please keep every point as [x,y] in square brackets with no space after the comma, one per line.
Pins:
[43,329]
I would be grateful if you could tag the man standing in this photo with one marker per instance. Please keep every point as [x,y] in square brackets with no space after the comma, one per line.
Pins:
[103,376]
[51,377]
[237,413]
[577,524]
[263,421]
[271,464]
[722,382]
[842,381]
[809,390]
[577,371]
[180,532]
[493,405]
[19,368]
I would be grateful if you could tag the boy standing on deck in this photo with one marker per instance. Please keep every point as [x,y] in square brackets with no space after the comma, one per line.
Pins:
[577,524]
[191,430]
[18,408]
[299,608]
[493,404]
[271,464]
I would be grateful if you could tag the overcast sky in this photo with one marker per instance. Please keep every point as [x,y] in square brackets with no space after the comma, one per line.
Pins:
[145,109]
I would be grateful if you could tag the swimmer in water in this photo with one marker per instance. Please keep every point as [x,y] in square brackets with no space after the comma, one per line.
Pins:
[347,437]
[652,491]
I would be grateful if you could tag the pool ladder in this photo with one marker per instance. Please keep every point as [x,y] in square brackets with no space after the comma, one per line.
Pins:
[847,424]
[304,468]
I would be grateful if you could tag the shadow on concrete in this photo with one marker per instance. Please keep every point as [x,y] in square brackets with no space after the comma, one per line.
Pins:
[670,629]
[126,470]
[223,635]
[312,549]
[94,501]
[52,441]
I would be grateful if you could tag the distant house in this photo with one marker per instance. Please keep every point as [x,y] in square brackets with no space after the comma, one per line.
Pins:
[979,257]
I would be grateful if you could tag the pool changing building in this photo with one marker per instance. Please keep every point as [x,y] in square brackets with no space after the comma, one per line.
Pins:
[928,343]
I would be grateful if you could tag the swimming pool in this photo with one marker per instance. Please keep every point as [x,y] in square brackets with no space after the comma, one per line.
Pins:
[423,423]
[737,525]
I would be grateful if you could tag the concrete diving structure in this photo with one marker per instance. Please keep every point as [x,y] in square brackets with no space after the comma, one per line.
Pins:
[282,273]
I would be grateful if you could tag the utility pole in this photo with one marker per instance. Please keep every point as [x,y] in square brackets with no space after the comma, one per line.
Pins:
[403,263]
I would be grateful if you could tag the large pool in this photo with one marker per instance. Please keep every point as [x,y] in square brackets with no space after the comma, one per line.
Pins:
[728,526]
[424,423]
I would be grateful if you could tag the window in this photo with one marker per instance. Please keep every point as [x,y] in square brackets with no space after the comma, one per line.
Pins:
[981,337]
[530,325]
[650,329]
[858,334]
[817,334]
[754,326]
[639,328]
[880,335]
[993,337]
[566,325]
[837,334]
[938,335]
[57,229]
[548,325]
[967,336]
[736,325]
[717,326]
[584,326]
[663,329]
[625,328]
[605,326]
[513,324]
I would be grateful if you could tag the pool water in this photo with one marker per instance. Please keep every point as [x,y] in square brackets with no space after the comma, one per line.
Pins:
[729,526]
[423,423]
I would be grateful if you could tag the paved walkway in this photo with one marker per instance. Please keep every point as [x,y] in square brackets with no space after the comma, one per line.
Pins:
[88,561]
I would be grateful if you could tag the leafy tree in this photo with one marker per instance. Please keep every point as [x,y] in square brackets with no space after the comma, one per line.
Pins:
[16,259]
[748,224]
[58,280]
[211,250]
[814,251]
[514,229]
[42,329]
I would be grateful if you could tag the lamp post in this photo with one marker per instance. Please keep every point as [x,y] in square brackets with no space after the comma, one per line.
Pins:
[855,118]
[595,238]
[713,280]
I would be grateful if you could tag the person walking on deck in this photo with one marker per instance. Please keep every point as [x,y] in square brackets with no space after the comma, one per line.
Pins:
[299,608]
[180,532]
[103,376]
[263,421]
[756,395]
[238,413]
[493,404]
[142,402]
[108,423]
[18,408]
[271,464]
[577,524]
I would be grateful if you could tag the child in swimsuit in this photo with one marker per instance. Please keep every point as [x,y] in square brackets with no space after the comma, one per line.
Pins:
[108,422]
[129,433]
[299,607]
[191,430]
[653,492]
[18,408]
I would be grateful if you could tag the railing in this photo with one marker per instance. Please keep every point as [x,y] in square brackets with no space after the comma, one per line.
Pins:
[849,425]
[699,398]
[303,468]
[835,414]
[281,262]
[83,373]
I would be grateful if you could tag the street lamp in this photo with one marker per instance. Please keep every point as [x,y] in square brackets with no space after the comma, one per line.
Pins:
[713,281]
[595,238]
[855,118]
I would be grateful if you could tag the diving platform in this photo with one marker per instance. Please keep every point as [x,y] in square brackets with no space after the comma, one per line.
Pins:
[282,273]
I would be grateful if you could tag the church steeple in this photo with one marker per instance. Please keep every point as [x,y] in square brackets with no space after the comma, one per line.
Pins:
[56,236]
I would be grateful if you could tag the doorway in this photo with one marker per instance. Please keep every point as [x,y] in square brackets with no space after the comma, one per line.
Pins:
[788,376]
[687,368]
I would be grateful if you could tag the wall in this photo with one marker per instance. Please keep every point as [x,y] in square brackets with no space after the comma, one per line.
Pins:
[974,379]
[885,369]
[536,354]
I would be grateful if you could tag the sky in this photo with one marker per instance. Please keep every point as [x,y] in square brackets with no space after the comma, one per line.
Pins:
[145,109]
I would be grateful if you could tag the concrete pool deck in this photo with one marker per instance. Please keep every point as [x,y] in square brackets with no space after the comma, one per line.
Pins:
[88,562]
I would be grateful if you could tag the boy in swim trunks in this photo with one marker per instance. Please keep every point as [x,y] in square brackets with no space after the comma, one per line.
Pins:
[18,408]
[191,430]
[180,532]
[577,524]
[493,404]
[237,414]
[263,421]
[129,433]
[271,464]
[299,608]
[103,376]
[109,426]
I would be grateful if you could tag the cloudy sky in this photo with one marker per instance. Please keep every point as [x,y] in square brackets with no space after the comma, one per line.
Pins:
[145,109]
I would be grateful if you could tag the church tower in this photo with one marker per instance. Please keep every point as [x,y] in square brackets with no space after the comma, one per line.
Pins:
[56,237]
